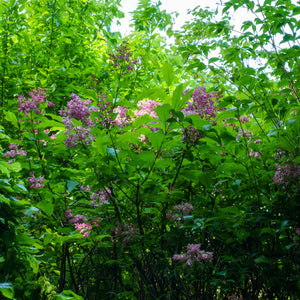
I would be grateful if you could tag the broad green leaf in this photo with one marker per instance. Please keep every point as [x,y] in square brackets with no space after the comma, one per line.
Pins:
[71,185]
[11,117]
[68,295]
[7,290]
[168,73]
[46,206]
[163,112]
[4,169]
[34,264]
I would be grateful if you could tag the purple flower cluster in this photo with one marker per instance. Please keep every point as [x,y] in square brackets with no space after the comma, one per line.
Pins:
[182,210]
[84,228]
[14,151]
[126,231]
[33,104]
[191,135]
[103,105]
[193,254]
[36,182]
[146,107]
[203,103]
[122,119]
[99,198]
[122,59]
[79,110]
[81,223]
[286,173]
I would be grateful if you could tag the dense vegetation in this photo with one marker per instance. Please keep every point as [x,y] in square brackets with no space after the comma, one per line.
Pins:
[136,169]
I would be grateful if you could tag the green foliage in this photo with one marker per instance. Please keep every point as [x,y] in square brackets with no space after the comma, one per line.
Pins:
[148,153]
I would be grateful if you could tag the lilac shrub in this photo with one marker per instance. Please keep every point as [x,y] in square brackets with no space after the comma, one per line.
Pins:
[193,255]
[80,111]
[122,58]
[203,104]
[38,96]
[36,182]
[15,151]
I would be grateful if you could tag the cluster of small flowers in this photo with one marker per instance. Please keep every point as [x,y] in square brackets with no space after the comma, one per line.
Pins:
[122,119]
[235,297]
[104,111]
[35,182]
[84,228]
[183,209]
[286,173]
[229,124]
[14,151]
[79,110]
[244,119]
[245,133]
[203,103]
[81,223]
[122,58]
[193,254]
[127,231]
[99,198]
[191,135]
[85,188]
[254,154]
[37,96]
[146,107]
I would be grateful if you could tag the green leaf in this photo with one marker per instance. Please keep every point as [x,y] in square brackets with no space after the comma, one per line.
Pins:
[263,260]
[163,112]
[168,73]
[7,290]
[11,117]
[4,169]
[46,206]
[68,295]
[50,124]
[34,264]
[71,185]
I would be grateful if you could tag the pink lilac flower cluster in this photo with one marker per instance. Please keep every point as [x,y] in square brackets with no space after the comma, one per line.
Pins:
[245,133]
[84,228]
[125,231]
[15,151]
[182,210]
[254,154]
[85,188]
[146,107]
[37,96]
[122,58]
[36,182]
[122,119]
[286,173]
[81,223]
[244,119]
[99,198]
[79,110]
[193,254]
[191,135]
[203,104]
